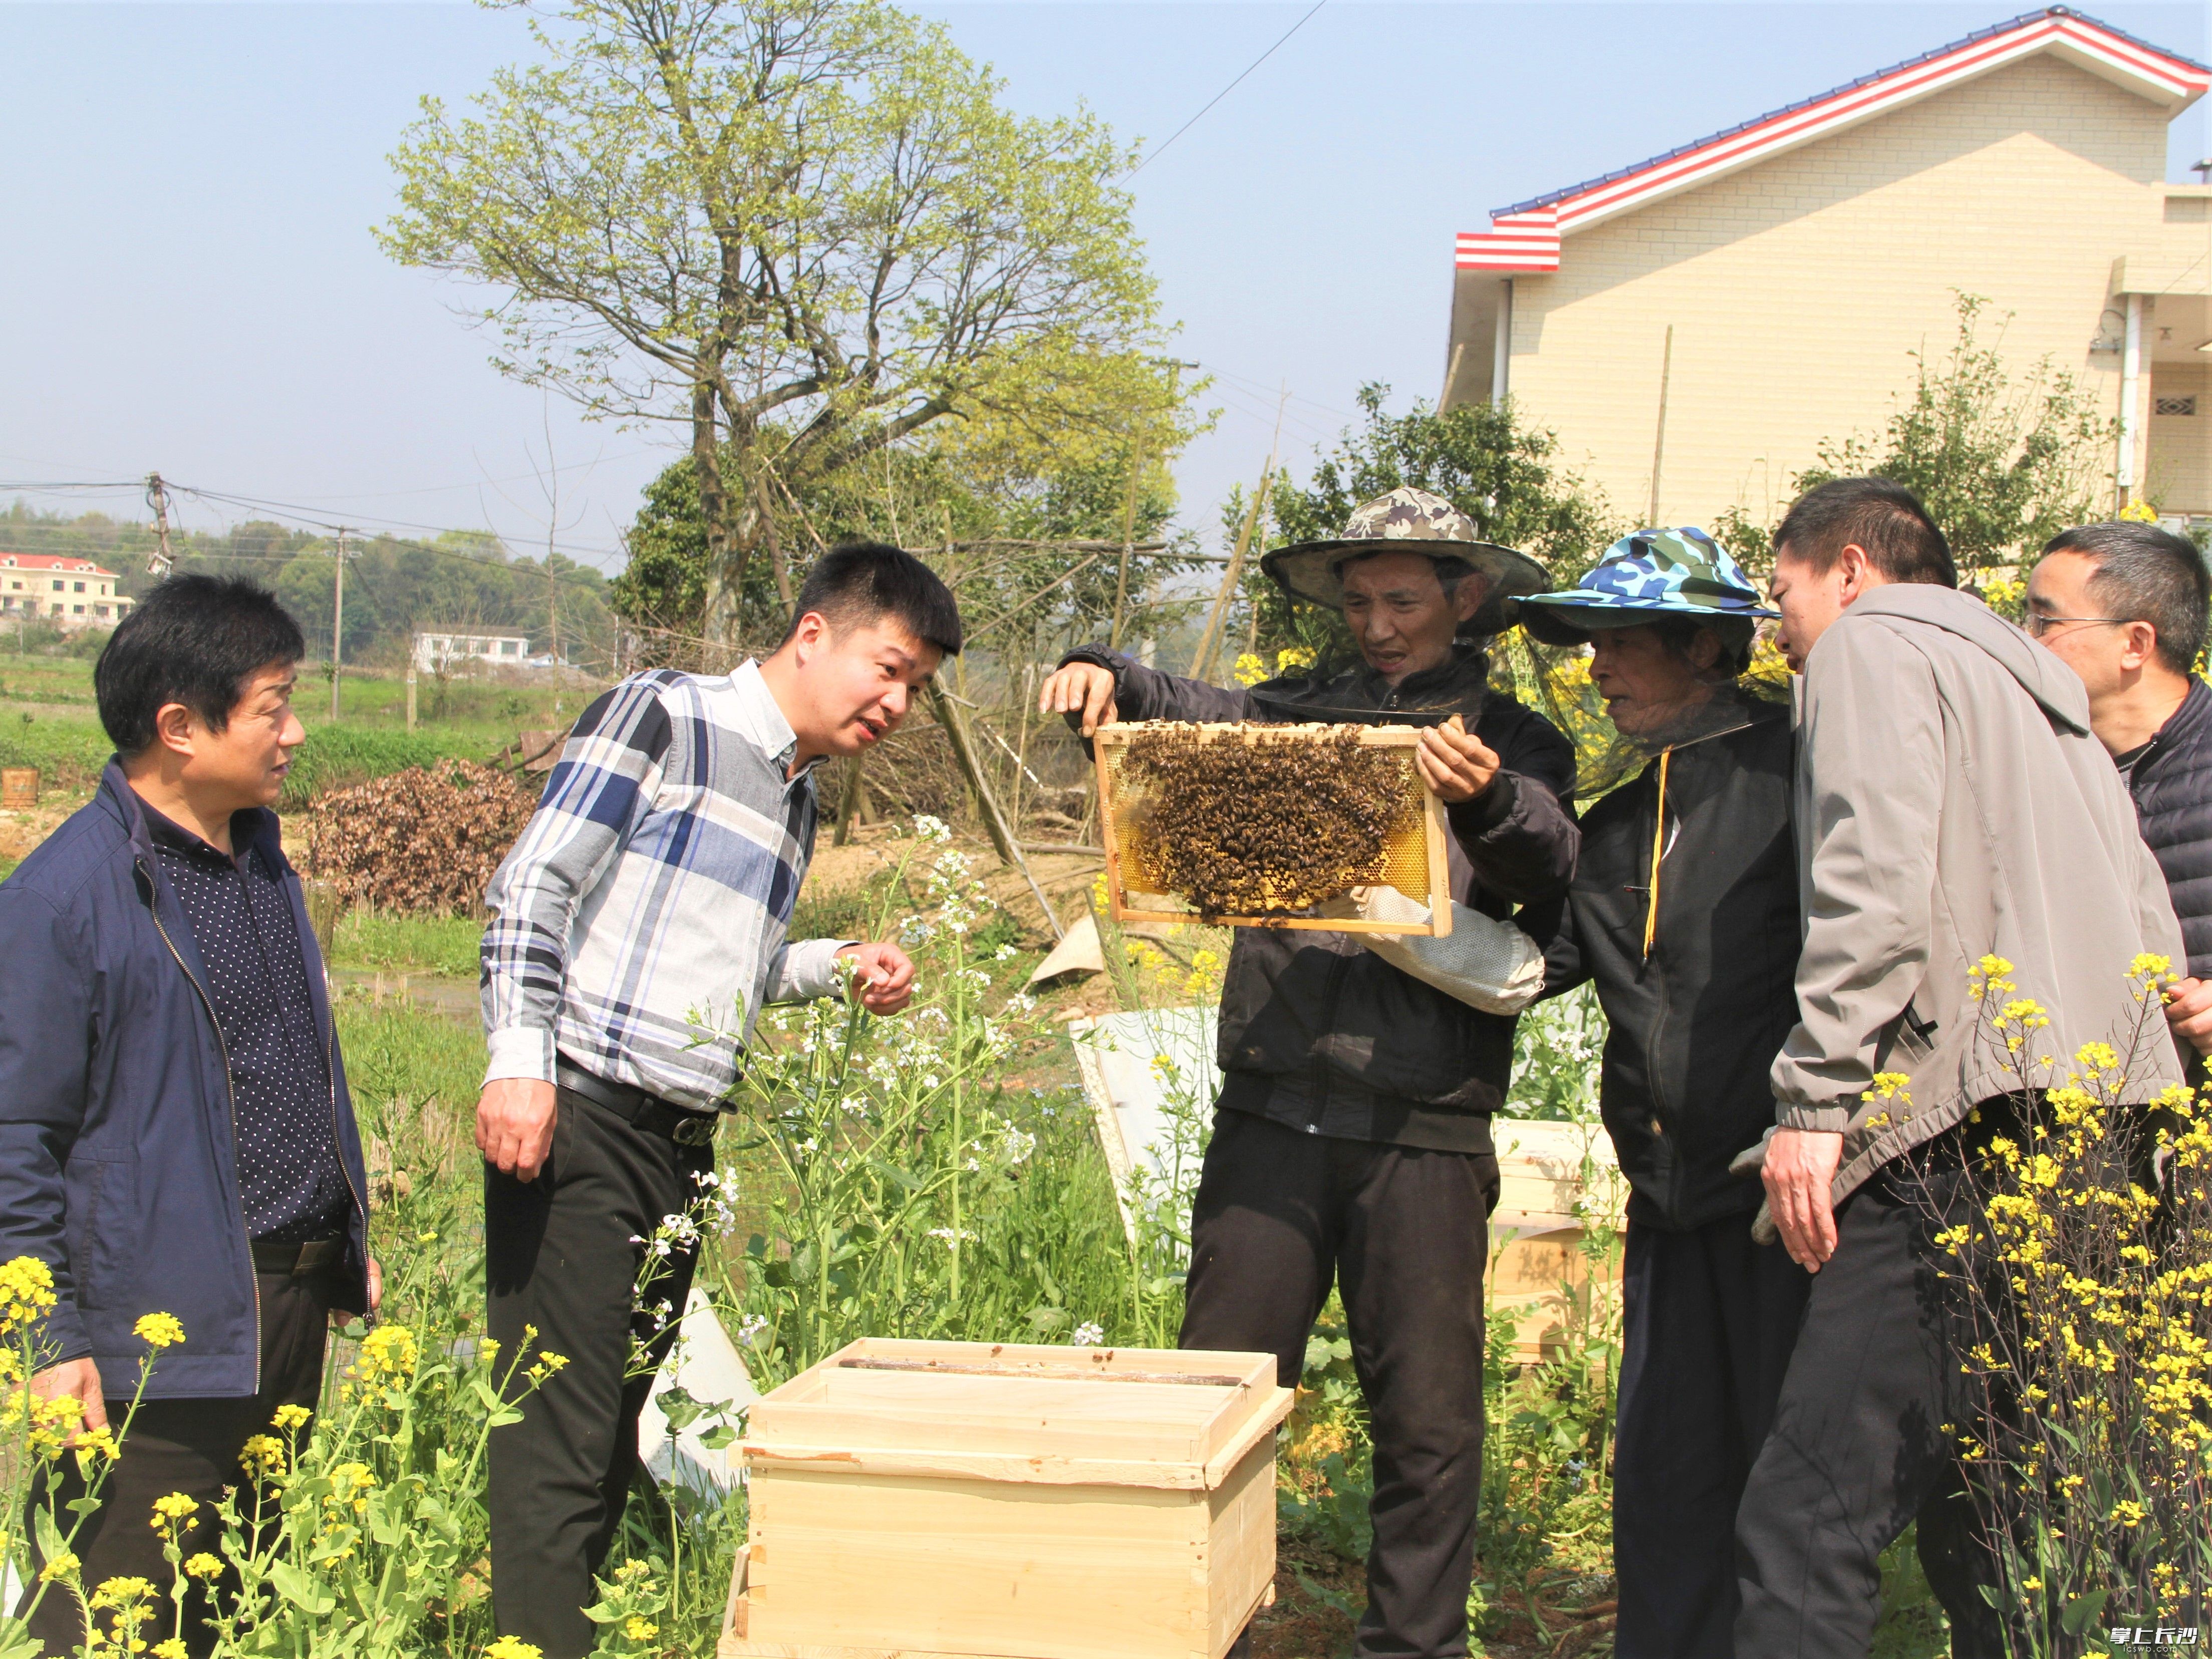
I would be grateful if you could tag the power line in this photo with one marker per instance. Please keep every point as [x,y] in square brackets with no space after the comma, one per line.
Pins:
[1226,90]
[307,516]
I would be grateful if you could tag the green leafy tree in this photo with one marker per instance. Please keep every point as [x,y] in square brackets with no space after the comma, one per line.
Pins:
[1484,458]
[1006,533]
[805,230]
[2003,462]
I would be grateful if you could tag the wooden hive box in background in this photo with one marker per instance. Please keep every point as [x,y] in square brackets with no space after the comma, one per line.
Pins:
[1539,1271]
[911,1500]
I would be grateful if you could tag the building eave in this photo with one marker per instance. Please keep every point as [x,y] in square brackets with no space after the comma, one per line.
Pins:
[1525,237]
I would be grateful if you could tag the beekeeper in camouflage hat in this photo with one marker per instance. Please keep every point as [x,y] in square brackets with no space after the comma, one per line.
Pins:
[1652,575]
[1409,520]
[1683,913]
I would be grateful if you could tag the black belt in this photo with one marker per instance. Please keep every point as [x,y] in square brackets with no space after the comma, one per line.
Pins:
[298,1260]
[648,1112]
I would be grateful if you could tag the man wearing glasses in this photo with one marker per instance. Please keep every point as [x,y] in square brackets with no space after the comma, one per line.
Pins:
[2123,606]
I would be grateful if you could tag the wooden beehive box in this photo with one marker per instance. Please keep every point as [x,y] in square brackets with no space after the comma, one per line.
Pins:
[1558,1183]
[1414,860]
[917,1500]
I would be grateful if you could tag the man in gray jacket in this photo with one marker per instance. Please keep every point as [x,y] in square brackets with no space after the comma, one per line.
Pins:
[1952,803]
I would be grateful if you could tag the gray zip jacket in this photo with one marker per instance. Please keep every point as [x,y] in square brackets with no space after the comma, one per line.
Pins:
[1952,803]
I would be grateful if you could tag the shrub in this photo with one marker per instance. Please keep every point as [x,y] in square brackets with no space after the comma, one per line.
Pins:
[427,839]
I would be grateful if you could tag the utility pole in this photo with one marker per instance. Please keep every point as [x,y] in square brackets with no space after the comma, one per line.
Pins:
[337,621]
[157,497]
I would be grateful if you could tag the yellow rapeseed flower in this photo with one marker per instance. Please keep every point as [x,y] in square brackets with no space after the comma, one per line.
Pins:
[122,1593]
[387,1351]
[508,1648]
[172,1510]
[262,1454]
[27,1291]
[202,1565]
[158,1330]
[64,1565]
[641,1630]
[291,1418]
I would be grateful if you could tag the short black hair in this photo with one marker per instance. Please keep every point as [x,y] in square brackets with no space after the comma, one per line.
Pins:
[856,583]
[2149,575]
[194,640]
[1885,519]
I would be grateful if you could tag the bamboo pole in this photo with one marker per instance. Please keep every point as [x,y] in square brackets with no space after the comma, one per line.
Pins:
[947,715]
[1217,621]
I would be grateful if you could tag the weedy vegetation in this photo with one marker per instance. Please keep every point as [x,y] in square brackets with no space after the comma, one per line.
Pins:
[2082,1240]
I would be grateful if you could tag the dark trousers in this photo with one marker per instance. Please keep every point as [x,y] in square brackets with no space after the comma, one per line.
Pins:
[1711,1320]
[190,1446]
[1859,1449]
[1404,1234]
[560,1255]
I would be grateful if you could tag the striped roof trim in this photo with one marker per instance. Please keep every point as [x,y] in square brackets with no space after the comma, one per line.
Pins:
[2150,71]
[60,562]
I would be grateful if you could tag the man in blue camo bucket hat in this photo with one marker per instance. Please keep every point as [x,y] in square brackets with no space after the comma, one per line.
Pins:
[1684,912]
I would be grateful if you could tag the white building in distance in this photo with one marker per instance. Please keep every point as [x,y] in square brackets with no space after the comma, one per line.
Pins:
[441,651]
[70,593]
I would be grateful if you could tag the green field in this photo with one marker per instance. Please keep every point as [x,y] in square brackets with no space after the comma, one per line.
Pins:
[49,720]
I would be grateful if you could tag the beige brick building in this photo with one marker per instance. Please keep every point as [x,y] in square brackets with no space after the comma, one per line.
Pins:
[1798,259]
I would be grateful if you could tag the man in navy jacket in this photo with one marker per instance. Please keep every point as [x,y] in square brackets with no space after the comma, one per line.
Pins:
[2124,604]
[175,1133]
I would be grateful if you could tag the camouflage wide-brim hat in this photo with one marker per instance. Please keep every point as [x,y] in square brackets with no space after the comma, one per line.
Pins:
[1642,577]
[1408,521]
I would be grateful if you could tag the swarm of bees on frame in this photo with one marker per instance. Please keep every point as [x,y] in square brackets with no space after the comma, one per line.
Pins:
[1263,823]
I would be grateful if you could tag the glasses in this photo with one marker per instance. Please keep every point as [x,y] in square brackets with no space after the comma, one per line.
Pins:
[2038,625]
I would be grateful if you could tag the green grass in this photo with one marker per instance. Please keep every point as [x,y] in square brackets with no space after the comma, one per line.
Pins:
[407,944]
[68,751]
[397,1052]
[469,719]
[8,868]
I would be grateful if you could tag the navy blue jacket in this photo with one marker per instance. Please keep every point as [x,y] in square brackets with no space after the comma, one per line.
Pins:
[118,1165]
[2172,783]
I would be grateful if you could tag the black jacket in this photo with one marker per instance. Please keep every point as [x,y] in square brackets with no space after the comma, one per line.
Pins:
[1323,1035]
[1695,1027]
[2172,783]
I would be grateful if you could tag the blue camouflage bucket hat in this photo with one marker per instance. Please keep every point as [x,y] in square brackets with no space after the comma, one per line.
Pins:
[1652,573]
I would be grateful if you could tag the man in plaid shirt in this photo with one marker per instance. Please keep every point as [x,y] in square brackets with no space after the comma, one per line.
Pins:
[637,928]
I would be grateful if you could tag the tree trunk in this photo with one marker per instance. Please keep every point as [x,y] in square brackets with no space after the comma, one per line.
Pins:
[765,510]
[714,511]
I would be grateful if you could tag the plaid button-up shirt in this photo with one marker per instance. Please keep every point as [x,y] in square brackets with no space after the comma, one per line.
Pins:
[638,925]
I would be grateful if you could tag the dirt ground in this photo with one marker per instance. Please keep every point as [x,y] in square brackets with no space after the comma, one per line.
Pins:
[20,832]
[1573,1617]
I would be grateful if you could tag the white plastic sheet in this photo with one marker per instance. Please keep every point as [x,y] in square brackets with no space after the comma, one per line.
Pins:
[1132,1065]
[705,1363]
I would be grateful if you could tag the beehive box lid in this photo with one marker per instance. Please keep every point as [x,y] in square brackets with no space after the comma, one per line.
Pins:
[1061,1416]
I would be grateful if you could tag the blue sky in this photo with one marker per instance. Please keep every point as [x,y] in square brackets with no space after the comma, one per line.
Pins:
[192,285]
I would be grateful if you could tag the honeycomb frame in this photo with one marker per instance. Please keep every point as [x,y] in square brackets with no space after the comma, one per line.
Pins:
[1418,858]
